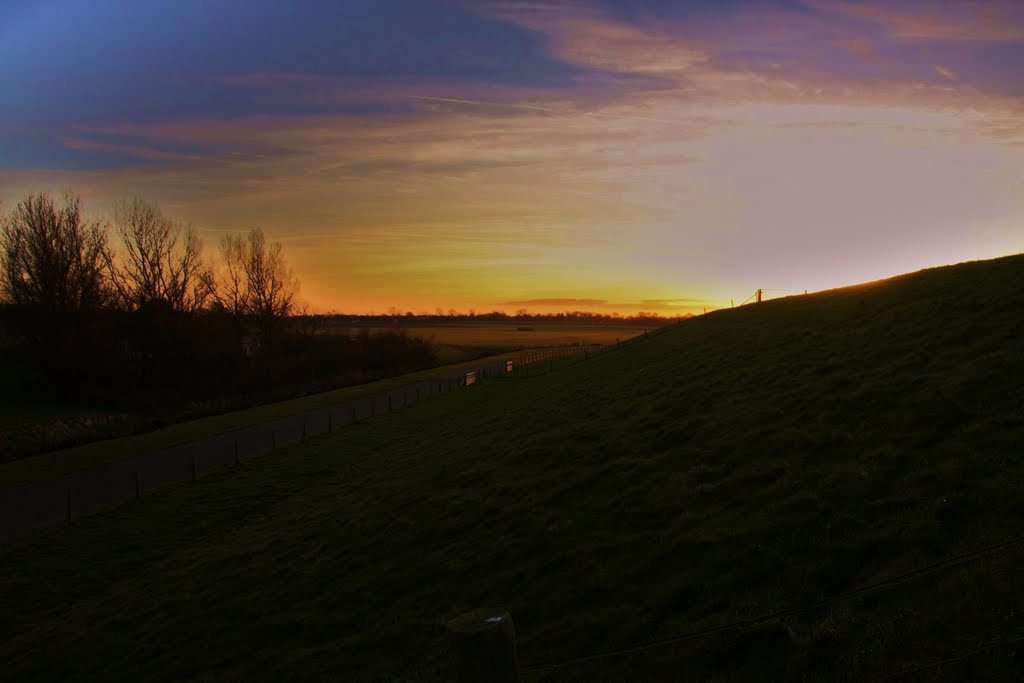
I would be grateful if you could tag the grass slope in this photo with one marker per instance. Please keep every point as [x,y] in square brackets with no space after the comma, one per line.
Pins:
[738,463]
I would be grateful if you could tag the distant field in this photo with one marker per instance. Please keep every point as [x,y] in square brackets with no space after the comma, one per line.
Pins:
[490,335]
[774,459]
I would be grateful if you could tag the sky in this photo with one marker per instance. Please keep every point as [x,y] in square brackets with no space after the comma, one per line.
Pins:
[611,156]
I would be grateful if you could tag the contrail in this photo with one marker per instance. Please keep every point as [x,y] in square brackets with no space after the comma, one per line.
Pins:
[534,107]
[484,103]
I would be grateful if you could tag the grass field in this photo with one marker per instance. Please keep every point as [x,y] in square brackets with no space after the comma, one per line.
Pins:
[48,421]
[56,463]
[739,463]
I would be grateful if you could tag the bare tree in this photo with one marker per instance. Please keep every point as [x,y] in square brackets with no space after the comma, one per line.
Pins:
[54,267]
[162,261]
[254,281]
[271,286]
[231,291]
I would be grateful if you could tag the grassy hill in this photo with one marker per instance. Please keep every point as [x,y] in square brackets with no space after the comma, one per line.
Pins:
[744,462]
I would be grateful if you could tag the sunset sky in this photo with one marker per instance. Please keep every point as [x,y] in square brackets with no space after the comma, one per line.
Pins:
[612,156]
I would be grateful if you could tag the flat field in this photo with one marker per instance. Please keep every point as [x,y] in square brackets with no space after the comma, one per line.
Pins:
[455,339]
[805,483]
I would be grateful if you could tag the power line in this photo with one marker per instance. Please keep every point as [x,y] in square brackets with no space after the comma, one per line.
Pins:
[749,298]
[789,611]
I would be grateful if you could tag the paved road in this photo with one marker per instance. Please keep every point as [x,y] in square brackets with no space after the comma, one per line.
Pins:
[63,498]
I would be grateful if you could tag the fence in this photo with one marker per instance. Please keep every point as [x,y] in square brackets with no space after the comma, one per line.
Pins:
[61,499]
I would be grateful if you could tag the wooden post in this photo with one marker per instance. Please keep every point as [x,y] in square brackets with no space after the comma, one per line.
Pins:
[484,647]
[758,296]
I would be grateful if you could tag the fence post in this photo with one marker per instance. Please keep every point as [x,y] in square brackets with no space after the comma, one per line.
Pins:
[484,647]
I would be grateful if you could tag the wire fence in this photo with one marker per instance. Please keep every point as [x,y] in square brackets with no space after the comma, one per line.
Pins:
[64,498]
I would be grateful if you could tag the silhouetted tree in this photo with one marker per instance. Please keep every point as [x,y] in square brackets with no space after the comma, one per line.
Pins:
[271,285]
[162,264]
[54,269]
[231,292]
[254,281]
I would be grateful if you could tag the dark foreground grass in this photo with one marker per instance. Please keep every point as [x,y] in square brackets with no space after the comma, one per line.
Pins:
[739,463]
[60,462]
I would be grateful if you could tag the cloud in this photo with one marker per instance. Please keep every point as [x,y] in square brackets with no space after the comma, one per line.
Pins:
[584,303]
[950,20]
[644,305]
[137,151]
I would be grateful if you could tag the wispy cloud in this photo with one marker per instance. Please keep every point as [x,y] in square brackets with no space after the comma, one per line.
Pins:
[684,163]
[653,305]
[137,151]
[951,20]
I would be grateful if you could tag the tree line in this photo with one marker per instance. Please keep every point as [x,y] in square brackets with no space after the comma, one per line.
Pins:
[652,319]
[62,270]
[134,309]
